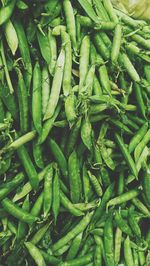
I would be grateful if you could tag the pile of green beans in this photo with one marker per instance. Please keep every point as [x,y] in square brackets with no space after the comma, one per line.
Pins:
[74,134]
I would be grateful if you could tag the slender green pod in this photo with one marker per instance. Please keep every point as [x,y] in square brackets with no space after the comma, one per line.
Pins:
[11,36]
[37,98]
[56,86]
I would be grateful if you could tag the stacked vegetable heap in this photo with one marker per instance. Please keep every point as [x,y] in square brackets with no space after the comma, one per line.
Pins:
[74,134]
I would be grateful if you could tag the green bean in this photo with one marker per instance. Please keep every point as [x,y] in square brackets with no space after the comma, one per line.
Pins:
[56,86]
[128,252]
[80,227]
[6,11]
[35,254]
[17,212]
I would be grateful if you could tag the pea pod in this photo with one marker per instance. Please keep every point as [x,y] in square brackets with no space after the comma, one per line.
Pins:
[35,253]
[17,212]
[74,177]
[23,103]
[56,86]
[45,88]
[6,11]
[128,252]
[146,183]
[126,154]
[7,187]
[47,200]
[25,53]
[37,98]
[69,206]
[22,227]
[86,133]
[80,227]
[28,166]
[11,36]
[44,46]
[59,156]
[70,19]
[56,194]
[68,62]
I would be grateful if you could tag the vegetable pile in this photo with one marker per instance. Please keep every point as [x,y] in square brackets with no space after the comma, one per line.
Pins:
[74,134]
